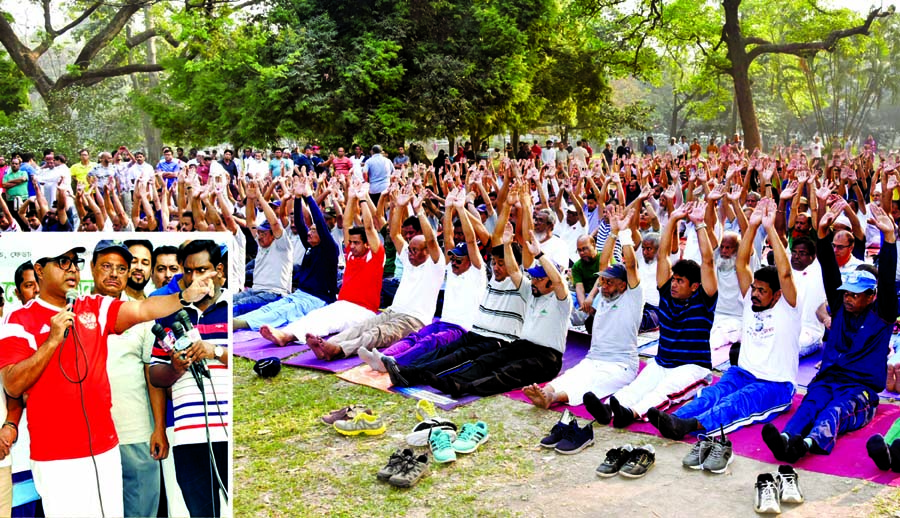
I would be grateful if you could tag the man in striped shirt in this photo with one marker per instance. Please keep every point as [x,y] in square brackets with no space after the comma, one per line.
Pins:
[687,301]
[198,413]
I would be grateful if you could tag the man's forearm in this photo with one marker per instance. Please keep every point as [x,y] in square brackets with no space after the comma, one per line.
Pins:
[164,375]
[157,397]
[23,375]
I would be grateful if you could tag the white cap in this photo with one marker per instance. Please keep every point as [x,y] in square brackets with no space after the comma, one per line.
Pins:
[51,248]
[843,220]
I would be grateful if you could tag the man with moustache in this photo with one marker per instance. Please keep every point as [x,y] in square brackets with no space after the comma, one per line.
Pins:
[761,385]
[727,325]
[138,408]
[810,293]
[141,252]
[165,265]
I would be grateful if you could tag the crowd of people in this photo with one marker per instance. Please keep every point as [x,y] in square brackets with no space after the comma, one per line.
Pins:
[466,273]
[122,418]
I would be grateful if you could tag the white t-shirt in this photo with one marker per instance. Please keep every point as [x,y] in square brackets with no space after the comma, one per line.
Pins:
[546,318]
[418,290]
[237,270]
[580,155]
[616,324]
[501,312]
[815,149]
[770,341]
[462,294]
[128,353]
[557,251]
[851,265]
[570,234]
[274,266]
[548,156]
[810,295]
[730,300]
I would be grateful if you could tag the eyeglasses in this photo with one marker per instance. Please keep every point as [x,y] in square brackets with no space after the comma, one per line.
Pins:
[66,262]
[118,268]
[456,261]
[840,247]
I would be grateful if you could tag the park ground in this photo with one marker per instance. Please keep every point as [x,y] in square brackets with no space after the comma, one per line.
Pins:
[288,463]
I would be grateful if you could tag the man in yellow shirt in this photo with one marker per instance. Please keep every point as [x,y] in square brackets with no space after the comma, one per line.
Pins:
[81,169]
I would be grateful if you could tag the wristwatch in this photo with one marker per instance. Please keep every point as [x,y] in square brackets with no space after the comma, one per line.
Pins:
[218,351]
[184,303]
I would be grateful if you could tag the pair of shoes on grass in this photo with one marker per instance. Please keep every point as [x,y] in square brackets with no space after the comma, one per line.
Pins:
[444,447]
[404,468]
[567,438]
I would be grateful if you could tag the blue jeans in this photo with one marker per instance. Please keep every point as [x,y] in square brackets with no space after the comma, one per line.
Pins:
[283,311]
[248,300]
[830,409]
[193,468]
[140,479]
[737,400]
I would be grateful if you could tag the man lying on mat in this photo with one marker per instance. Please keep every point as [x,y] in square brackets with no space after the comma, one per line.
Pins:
[612,361]
[761,385]
[687,301]
[843,396]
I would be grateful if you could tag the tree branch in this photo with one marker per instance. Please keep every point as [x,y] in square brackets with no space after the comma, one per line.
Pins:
[92,77]
[827,44]
[82,17]
[102,38]
[23,57]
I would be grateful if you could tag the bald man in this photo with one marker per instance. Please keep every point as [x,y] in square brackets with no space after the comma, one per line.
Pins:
[584,275]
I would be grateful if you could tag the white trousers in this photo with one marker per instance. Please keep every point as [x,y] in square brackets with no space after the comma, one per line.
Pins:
[597,376]
[662,387]
[328,320]
[69,488]
[726,330]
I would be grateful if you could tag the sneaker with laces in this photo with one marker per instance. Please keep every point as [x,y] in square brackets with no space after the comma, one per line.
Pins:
[361,424]
[410,472]
[425,410]
[421,432]
[576,439]
[765,499]
[343,414]
[615,459]
[471,437]
[639,462]
[790,485]
[559,430]
[694,459]
[397,459]
[720,455]
[441,446]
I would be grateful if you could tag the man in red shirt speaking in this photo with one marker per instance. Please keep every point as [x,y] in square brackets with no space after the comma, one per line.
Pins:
[53,353]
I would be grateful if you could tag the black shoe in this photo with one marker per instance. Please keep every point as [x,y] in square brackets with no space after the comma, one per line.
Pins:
[895,455]
[576,439]
[670,426]
[398,459]
[796,449]
[622,416]
[639,462]
[879,452]
[393,371]
[615,459]
[775,441]
[559,430]
[602,414]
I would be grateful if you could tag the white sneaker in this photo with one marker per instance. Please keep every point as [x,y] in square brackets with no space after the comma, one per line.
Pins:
[790,485]
[422,431]
[372,359]
[767,494]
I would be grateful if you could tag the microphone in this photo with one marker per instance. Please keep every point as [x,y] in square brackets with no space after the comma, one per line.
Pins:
[182,343]
[71,295]
[162,338]
[194,335]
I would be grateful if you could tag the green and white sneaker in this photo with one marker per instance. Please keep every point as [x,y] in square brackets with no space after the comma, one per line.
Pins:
[441,448]
[471,437]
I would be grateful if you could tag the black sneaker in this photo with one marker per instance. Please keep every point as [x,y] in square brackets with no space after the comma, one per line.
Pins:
[879,452]
[776,442]
[395,462]
[410,472]
[639,462]
[622,416]
[559,430]
[393,371]
[576,439]
[601,412]
[615,459]
[720,455]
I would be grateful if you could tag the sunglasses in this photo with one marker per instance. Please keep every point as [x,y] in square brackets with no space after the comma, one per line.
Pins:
[66,262]
[457,261]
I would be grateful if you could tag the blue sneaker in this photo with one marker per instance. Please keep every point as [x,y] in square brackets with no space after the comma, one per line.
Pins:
[576,439]
[558,431]
[441,448]
[471,437]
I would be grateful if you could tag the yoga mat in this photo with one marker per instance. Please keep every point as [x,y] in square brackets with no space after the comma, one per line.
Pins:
[308,359]
[250,345]
[848,459]
[807,371]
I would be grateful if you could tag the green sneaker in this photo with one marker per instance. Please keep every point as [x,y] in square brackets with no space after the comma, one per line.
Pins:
[439,440]
[471,437]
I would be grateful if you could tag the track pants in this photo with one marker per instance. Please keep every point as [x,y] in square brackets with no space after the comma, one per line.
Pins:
[829,409]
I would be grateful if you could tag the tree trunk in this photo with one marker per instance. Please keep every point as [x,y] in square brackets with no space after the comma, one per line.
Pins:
[514,139]
[740,73]
[152,135]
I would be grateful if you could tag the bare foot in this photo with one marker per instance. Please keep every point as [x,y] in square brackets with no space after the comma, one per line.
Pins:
[275,336]
[314,347]
[329,350]
[892,374]
[312,339]
[538,396]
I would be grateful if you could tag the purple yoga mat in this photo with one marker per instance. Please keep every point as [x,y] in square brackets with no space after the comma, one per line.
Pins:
[848,459]
[250,345]
[308,359]
[808,371]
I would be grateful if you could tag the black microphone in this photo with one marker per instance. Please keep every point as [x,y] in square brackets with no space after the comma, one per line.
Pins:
[71,295]
[194,334]
[162,338]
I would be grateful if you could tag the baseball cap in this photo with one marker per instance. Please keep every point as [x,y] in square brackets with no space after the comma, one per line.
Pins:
[113,245]
[571,208]
[482,208]
[616,271]
[461,250]
[858,281]
[538,272]
[51,248]
[264,226]
[267,367]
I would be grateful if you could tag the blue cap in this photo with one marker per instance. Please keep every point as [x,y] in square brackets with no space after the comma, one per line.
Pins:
[616,271]
[538,272]
[264,226]
[461,250]
[858,281]
[113,245]
[482,208]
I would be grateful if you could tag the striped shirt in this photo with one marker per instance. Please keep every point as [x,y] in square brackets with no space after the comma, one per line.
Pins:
[500,314]
[684,328]
[187,400]
[603,232]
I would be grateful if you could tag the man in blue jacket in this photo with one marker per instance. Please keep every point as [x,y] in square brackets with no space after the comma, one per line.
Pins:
[844,394]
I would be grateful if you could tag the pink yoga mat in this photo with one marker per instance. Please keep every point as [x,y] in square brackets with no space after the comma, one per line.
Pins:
[848,459]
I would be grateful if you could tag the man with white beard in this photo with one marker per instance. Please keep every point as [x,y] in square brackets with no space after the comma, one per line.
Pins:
[726,329]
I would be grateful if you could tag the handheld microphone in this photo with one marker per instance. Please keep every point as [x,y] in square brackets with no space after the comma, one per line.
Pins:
[71,296]
[194,335]
[182,343]
[162,338]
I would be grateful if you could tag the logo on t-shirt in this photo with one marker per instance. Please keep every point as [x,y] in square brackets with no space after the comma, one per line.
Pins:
[88,320]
